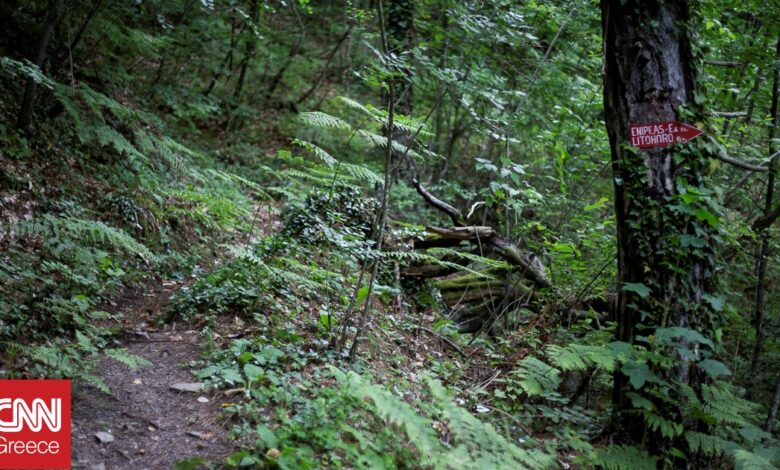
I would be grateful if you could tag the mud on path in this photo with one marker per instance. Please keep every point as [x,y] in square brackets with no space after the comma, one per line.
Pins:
[152,425]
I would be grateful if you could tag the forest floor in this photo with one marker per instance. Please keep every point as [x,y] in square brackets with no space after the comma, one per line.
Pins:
[152,425]
[147,422]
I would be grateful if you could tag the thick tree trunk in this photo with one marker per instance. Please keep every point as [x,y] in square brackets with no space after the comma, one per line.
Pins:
[648,78]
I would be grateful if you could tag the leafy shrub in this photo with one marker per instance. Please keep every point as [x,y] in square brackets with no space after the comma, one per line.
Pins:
[312,416]
[335,216]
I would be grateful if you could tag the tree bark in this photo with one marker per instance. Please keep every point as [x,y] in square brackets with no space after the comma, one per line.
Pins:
[770,419]
[648,77]
[53,15]
[758,313]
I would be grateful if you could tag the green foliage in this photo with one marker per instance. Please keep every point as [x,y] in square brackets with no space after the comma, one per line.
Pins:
[352,422]
[338,216]
[624,458]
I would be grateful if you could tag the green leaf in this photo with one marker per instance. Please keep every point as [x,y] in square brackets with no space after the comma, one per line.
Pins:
[241,459]
[665,335]
[704,214]
[714,368]
[638,401]
[688,240]
[266,435]
[715,302]
[231,376]
[253,372]
[638,373]
[638,288]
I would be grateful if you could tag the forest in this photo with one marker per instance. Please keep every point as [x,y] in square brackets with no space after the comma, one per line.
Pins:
[423,234]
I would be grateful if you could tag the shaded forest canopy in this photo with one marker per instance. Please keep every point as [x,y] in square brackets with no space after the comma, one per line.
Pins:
[397,233]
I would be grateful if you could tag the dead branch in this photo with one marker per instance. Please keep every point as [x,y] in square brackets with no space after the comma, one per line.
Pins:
[454,214]
[472,233]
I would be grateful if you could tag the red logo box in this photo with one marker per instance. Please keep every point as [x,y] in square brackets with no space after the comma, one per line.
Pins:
[34,424]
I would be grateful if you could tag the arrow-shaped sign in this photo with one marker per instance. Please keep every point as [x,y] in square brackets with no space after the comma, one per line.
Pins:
[662,134]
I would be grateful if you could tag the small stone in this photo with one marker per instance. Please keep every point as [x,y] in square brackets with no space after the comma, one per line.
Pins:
[192,387]
[138,382]
[200,435]
[104,437]
[273,453]
[203,400]
[483,409]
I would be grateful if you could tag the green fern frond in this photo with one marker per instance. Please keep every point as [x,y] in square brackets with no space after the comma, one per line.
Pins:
[582,356]
[324,120]
[618,457]
[395,411]
[25,68]
[493,263]
[84,230]
[475,443]
[367,110]
[725,407]
[707,444]
[316,151]
[535,377]
[747,460]
[377,140]
[130,360]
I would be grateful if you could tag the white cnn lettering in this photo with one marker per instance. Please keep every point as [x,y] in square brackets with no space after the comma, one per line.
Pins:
[34,416]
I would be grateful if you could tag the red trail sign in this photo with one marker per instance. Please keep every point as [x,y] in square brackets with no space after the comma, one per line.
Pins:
[662,134]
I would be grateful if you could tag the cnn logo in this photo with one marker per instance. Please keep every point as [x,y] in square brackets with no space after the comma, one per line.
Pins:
[35,416]
[35,424]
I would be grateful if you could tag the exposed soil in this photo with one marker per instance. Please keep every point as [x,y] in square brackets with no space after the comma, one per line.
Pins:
[152,425]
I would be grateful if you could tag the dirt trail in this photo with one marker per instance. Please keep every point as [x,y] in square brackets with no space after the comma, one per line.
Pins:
[152,425]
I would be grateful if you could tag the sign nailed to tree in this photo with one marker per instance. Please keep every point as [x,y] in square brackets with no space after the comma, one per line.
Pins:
[662,134]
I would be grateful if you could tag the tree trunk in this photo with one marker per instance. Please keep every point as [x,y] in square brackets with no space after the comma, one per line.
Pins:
[249,52]
[648,76]
[770,420]
[53,15]
[758,313]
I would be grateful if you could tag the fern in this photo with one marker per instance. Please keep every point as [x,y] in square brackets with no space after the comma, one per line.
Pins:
[474,443]
[581,357]
[707,444]
[324,120]
[536,377]
[618,457]
[493,263]
[53,227]
[316,151]
[398,412]
[25,68]
[130,360]
[747,460]
[724,407]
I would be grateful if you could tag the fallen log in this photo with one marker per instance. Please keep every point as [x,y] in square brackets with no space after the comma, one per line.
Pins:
[478,299]
[473,233]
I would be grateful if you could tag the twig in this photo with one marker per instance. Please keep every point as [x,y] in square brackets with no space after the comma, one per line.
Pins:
[450,342]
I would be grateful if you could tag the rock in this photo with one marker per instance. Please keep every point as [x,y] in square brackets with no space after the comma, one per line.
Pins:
[200,435]
[203,400]
[104,437]
[483,409]
[191,387]
[273,453]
